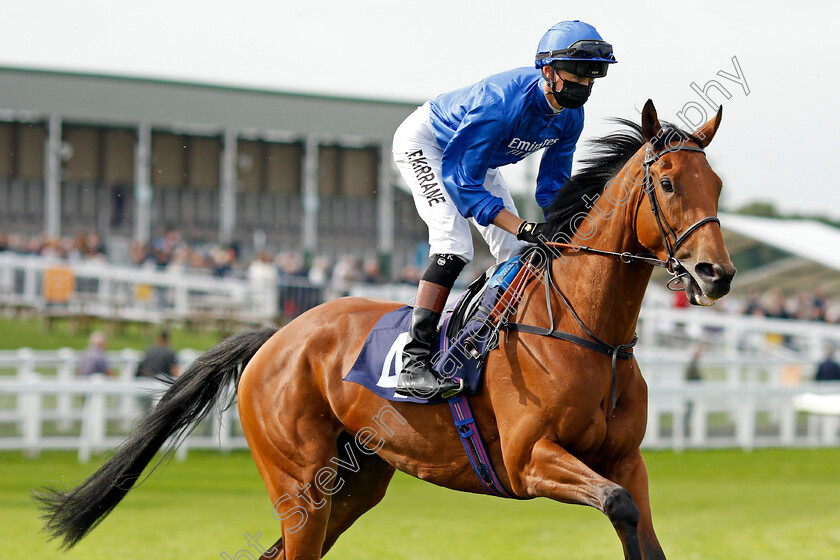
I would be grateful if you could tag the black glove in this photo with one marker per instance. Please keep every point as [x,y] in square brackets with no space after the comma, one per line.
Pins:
[534,232]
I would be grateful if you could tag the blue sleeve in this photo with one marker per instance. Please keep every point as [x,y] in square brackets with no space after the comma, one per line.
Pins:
[556,166]
[466,159]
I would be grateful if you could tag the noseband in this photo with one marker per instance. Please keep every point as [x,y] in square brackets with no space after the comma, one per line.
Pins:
[670,239]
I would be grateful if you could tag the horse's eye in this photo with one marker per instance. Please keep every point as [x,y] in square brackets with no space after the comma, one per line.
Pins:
[667,186]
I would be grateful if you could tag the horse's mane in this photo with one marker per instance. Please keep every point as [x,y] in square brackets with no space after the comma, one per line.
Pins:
[609,154]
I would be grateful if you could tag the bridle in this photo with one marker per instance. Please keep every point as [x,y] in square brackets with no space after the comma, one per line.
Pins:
[672,264]
[670,240]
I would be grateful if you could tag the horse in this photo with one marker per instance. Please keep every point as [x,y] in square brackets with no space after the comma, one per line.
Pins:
[558,420]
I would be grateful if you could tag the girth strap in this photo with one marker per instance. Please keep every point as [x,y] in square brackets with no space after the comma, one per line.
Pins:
[622,351]
[568,337]
[476,453]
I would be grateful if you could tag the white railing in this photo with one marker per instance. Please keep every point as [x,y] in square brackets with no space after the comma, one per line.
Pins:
[707,415]
[727,334]
[95,412]
[141,293]
[733,334]
[43,405]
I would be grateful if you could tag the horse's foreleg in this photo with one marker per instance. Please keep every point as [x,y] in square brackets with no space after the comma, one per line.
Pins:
[631,473]
[552,472]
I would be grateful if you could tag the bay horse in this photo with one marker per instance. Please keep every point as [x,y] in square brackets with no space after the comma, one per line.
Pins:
[559,421]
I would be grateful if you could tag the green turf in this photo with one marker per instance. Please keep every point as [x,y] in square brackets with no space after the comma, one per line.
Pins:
[29,333]
[768,504]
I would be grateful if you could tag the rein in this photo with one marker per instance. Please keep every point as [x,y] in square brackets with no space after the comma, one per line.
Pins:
[672,243]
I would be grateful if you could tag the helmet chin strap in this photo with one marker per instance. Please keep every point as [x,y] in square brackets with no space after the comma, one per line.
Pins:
[550,80]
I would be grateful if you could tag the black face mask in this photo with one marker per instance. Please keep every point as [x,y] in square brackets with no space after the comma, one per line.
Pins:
[572,95]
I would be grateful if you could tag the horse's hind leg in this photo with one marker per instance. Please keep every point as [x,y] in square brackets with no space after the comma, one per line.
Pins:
[364,485]
[303,510]
[292,468]
[360,484]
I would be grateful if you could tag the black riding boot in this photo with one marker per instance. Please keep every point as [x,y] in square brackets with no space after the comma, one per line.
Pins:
[417,379]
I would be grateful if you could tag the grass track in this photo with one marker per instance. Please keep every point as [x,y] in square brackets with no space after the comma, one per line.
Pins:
[29,333]
[715,505]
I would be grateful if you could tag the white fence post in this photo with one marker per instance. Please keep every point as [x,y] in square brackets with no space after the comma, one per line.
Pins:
[787,424]
[25,373]
[745,423]
[64,401]
[698,422]
[30,406]
[129,359]
[93,422]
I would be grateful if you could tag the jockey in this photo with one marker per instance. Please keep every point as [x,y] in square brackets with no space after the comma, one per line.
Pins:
[449,151]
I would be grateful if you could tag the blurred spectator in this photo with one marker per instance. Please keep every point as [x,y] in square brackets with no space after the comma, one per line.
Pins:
[371,273]
[819,305]
[410,274]
[692,375]
[319,273]
[223,260]
[345,273]
[138,253]
[262,273]
[160,360]
[828,370]
[773,304]
[93,359]
[291,263]
[754,306]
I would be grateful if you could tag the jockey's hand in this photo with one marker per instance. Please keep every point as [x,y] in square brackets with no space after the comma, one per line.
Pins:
[534,232]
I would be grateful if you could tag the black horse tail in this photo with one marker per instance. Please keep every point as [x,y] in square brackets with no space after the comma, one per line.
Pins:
[72,514]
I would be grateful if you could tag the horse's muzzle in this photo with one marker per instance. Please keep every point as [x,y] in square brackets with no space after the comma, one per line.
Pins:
[708,282]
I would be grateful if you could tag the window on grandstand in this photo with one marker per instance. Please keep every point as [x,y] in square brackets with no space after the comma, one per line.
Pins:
[203,162]
[118,154]
[7,150]
[282,167]
[169,160]
[30,139]
[347,172]
[82,153]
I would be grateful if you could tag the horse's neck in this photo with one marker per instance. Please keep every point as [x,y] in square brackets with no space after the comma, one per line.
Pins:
[605,292]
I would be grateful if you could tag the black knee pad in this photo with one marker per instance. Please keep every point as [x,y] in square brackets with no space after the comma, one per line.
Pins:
[444,270]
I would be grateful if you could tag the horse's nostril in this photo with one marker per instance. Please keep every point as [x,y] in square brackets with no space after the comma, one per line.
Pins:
[709,272]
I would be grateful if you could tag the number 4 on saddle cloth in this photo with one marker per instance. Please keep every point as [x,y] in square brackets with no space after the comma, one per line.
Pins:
[470,329]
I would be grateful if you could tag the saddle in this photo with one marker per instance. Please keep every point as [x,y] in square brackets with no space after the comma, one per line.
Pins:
[468,333]
[472,328]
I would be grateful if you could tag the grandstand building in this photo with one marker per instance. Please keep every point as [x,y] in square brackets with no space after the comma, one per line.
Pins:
[134,158]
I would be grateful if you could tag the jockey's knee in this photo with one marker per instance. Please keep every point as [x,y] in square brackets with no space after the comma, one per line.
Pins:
[444,270]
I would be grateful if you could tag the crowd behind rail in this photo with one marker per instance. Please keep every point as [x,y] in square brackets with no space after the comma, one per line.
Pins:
[334,277]
[172,252]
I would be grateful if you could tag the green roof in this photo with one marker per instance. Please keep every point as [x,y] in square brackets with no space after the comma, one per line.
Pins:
[125,101]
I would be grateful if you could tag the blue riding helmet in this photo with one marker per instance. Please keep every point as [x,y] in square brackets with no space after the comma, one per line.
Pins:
[576,47]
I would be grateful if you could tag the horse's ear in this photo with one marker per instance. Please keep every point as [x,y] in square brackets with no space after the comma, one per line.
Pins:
[650,122]
[706,132]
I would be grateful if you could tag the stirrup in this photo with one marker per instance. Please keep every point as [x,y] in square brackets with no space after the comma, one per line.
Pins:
[452,392]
